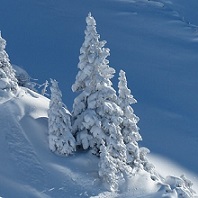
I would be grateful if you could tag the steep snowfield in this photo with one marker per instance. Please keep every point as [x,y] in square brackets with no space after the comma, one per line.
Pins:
[155,42]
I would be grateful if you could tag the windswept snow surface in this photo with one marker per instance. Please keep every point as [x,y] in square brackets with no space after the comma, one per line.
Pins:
[155,42]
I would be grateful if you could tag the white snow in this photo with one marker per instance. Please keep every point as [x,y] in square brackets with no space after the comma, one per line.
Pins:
[167,167]
[156,41]
[29,168]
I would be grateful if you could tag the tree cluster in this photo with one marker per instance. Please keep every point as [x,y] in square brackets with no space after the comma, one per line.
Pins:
[101,120]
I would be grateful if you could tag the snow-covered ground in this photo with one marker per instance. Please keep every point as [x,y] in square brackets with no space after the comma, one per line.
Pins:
[30,169]
[155,42]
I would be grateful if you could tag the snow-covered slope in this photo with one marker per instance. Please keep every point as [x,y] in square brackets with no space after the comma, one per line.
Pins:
[30,169]
[155,42]
[23,131]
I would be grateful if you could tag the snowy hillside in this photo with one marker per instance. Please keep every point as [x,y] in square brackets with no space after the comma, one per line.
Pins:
[155,42]
[30,169]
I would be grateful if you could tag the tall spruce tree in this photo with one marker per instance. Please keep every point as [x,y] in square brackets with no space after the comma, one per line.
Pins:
[129,128]
[136,156]
[8,80]
[61,139]
[96,115]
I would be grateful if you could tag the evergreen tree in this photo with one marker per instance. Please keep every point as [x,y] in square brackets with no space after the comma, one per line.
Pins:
[112,170]
[108,169]
[61,139]
[8,80]
[130,130]
[136,156]
[96,116]
[93,64]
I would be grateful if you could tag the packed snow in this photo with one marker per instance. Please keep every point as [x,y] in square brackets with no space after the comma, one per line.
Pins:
[39,159]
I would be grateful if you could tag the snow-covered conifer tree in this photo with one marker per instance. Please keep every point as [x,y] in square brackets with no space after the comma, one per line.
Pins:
[108,169]
[93,64]
[8,80]
[112,170]
[61,139]
[130,130]
[96,115]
